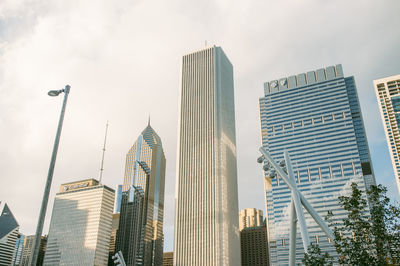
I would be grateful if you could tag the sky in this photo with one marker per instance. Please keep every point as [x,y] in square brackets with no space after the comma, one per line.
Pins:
[122,59]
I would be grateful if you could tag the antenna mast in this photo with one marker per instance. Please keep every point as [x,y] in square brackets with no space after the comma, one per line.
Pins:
[104,150]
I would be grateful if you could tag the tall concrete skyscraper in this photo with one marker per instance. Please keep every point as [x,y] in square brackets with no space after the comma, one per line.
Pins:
[145,169]
[206,207]
[316,117]
[80,225]
[388,93]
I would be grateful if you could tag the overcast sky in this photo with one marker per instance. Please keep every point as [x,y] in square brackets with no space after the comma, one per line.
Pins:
[122,60]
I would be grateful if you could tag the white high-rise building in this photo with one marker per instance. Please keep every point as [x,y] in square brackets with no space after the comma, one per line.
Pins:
[388,93]
[80,224]
[206,210]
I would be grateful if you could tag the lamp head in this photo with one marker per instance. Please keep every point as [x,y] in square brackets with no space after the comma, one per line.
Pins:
[54,93]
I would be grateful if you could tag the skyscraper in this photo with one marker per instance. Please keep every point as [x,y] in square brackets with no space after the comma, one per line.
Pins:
[206,204]
[80,225]
[388,94]
[9,230]
[113,237]
[131,229]
[145,169]
[19,246]
[253,238]
[250,217]
[27,252]
[316,117]
[254,246]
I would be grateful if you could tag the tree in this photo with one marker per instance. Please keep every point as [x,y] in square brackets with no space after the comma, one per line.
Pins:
[314,257]
[363,239]
[385,227]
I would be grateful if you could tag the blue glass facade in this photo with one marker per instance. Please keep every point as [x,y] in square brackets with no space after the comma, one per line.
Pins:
[316,117]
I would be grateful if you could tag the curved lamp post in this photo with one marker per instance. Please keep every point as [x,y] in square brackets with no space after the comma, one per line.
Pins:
[45,200]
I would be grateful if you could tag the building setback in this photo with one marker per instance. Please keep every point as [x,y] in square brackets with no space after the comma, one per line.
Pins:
[9,231]
[145,171]
[80,225]
[206,206]
[316,117]
[388,94]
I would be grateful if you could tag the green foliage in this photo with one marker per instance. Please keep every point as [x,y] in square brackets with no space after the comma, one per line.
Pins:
[363,240]
[314,257]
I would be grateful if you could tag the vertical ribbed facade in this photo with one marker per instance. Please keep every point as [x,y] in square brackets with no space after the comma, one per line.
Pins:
[206,207]
[316,117]
[388,94]
[145,169]
[80,225]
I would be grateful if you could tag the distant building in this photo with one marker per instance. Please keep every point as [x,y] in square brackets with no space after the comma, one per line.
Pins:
[145,170]
[168,259]
[9,232]
[254,246]
[250,217]
[113,237]
[388,94]
[253,238]
[26,256]
[19,246]
[131,229]
[316,118]
[80,225]
[206,203]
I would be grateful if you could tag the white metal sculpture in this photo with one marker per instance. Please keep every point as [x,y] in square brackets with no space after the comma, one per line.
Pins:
[297,199]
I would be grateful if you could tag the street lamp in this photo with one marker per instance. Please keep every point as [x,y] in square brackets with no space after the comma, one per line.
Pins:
[45,200]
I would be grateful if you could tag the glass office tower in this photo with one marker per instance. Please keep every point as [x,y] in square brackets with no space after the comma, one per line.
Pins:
[206,201]
[388,94]
[316,117]
[80,225]
[145,169]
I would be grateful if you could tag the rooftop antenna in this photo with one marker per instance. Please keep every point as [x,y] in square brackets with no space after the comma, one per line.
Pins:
[148,123]
[205,43]
[102,158]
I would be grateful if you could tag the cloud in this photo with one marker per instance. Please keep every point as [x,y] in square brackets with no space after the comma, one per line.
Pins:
[122,59]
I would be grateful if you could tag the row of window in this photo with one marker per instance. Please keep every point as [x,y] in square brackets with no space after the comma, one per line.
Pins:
[308,122]
[325,172]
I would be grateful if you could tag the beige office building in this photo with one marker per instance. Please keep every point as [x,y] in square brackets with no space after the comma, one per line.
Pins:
[80,225]
[206,203]
[388,94]
[250,217]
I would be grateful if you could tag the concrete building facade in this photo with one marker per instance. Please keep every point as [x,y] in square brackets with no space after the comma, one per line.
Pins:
[388,95]
[206,201]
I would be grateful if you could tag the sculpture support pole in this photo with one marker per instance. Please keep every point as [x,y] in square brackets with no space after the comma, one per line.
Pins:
[297,204]
[293,232]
